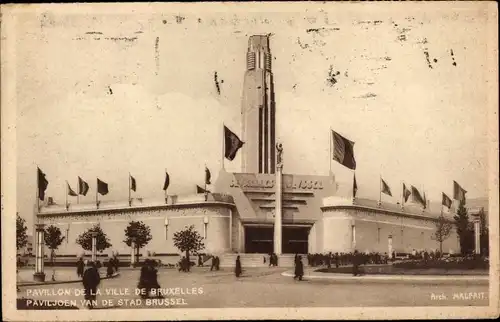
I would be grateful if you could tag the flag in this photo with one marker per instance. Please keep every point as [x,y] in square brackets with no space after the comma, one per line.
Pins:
[446,201]
[83,187]
[201,190]
[232,144]
[416,197]
[354,187]
[343,151]
[102,187]
[167,181]
[406,193]
[385,188]
[207,176]
[42,184]
[458,192]
[425,201]
[133,185]
[71,192]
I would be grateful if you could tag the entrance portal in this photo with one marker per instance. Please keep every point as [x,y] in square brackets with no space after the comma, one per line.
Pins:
[261,240]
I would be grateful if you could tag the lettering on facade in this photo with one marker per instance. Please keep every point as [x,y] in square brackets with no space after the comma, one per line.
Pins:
[269,184]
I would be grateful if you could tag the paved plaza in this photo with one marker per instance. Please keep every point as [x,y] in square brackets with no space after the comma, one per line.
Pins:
[264,287]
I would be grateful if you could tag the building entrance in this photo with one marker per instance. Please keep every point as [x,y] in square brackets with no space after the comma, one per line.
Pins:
[261,240]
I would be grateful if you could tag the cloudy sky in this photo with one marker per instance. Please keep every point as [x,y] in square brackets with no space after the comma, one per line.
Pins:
[108,93]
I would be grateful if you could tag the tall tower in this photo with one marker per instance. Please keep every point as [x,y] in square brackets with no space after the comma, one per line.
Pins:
[258,109]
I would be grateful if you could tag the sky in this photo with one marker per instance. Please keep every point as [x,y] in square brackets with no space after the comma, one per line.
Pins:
[107,93]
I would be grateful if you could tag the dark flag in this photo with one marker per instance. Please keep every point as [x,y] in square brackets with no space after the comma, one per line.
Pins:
[167,181]
[207,176]
[406,193]
[201,190]
[446,201]
[71,192]
[385,188]
[458,192]
[102,187]
[133,185]
[83,187]
[232,144]
[354,187]
[343,151]
[425,201]
[416,197]
[42,184]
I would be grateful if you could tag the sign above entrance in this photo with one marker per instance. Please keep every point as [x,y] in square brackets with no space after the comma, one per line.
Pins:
[266,182]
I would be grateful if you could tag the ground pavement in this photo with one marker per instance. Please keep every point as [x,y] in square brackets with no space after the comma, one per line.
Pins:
[264,287]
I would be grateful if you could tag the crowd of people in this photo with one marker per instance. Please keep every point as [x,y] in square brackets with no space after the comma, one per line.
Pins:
[344,259]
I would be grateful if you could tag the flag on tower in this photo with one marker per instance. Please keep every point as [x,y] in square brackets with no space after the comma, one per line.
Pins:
[102,187]
[343,151]
[133,185]
[42,184]
[201,190]
[385,188]
[417,197]
[83,187]
[232,144]
[458,192]
[71,192]
[207,176]
[406,193]
[167,181]
[446,201]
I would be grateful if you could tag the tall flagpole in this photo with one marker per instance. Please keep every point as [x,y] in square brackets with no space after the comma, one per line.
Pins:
[380,190]
[129,200]
[166,196]
[223,144]
[96,192]
[402,196]
[78,194]
[67,194]
[330,155]
[37,191]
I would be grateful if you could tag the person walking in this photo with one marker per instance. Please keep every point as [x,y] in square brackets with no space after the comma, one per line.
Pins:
[200,261]
[109,268]
[91,280]
[355,263]
[80,265]
[237,269]
[299,268]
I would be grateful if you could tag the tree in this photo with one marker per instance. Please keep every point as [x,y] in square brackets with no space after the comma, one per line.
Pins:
[53,240]
[484,238]
[85,239]
[138,231]
[21,235]
[188,240]
[442,232]
[464,231]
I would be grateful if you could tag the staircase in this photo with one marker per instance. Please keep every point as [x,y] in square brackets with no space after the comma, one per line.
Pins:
[257,260]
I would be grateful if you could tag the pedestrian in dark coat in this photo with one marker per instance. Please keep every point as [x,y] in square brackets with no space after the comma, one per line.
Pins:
[109,268]
[80,265]
[237,269]
[213,263]
[355,263]
[91,280]
[217,263]
[299,268]
[200,261]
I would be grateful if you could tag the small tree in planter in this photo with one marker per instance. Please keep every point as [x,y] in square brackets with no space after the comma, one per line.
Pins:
[442,232]
[21,235]
[138,232]
[53,239]
[188,240]
[102,240]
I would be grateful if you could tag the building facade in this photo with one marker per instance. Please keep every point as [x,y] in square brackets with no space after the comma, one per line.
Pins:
[240,216]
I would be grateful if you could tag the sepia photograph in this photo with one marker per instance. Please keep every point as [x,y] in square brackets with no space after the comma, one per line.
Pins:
[250,160]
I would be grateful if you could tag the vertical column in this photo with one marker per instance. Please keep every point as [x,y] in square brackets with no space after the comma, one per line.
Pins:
[230,230]
[353,241]
[94,246]
[39,275]
[278,210]
[132,254]
[389,243]
[477,236]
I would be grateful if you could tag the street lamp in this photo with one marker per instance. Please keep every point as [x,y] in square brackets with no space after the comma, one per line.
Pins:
[94,246]
[166,228]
